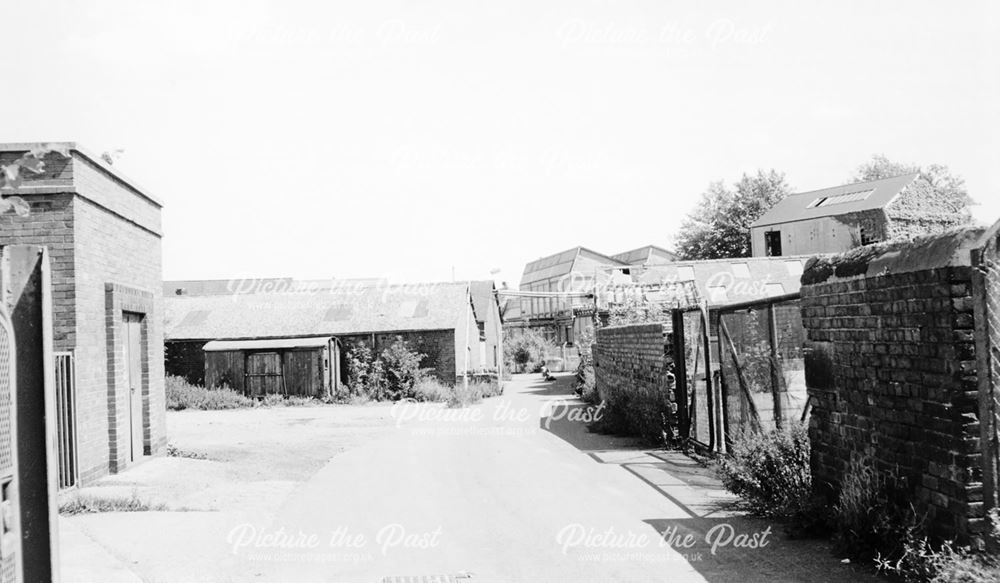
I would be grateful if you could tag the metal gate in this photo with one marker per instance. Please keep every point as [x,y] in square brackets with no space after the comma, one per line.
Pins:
[66,419]
[694,374]
[739,368]
[762,364]
[10,539]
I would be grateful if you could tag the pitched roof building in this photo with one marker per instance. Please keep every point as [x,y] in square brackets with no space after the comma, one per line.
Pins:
[833,220]
[648,255]
[438,320]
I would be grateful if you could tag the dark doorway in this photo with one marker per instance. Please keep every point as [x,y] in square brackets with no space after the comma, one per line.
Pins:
[772,243]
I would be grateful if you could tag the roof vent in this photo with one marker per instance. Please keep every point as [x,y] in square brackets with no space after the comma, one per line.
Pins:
[841,198]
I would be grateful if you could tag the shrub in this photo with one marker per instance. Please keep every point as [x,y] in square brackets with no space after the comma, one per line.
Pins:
[586,383]
[526,351]
[364,373]
[643,414]
[770,471]
[462,396]
[429,388]
[401,367]
[873,516]
[174,451]
[96,504]
[181,394]
[874,520]
[393,375]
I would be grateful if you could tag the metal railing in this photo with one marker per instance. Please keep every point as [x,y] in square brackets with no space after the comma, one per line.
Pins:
[66,419]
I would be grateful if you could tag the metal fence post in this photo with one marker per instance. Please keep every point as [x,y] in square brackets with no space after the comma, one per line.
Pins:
[776,373]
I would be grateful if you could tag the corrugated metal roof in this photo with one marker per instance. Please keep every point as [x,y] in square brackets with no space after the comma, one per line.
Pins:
[270,344]
[645,255]
[839,200]
[439,306]
[724,281]
[561,264]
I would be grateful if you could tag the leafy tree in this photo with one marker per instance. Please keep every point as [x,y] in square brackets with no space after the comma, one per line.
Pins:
[938,176]
[719,228]
[526,351]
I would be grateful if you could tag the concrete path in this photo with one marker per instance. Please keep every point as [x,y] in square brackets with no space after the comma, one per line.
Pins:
[521,492]
[513,490]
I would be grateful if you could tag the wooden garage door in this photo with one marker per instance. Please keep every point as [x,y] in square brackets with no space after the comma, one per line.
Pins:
[263,374]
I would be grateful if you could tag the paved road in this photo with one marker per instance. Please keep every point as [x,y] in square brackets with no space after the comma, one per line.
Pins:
[515,491]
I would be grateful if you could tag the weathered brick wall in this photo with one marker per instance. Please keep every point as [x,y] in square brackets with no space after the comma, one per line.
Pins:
[892,376]
[631,370]
[50,224]
[185,359]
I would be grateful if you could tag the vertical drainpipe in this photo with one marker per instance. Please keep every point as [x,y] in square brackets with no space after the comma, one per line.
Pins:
[468,309]
[499,349]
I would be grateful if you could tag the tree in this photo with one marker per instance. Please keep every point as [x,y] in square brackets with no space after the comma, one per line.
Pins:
[938,176]
[719,228]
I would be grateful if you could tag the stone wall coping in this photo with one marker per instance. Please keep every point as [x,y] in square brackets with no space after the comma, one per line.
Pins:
[97,161]
[951,249]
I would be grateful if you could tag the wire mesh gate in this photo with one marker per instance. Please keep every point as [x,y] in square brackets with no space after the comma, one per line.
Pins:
[740,368]
[10,541]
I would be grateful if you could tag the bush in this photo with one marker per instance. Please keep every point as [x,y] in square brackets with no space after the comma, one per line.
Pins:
[402,370]
[277,400]
[460,396]
[98,504]
[643,414]
[365,375]
[391,376]
[181,394]
[873,516]
[526,351]
[586,383]
[430,388]
[770,471]
[874,520]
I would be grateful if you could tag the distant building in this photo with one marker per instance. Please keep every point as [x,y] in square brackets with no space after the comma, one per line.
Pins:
[103,235]
[575,271]
[303,331]
[648,255]
[834,220]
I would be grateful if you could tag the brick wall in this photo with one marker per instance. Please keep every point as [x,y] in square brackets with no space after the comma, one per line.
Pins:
[50,223]
[185,359]
[104,241]
[111,249]
[891,372]
[631,367]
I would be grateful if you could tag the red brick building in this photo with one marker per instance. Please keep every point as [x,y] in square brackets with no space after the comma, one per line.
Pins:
[104,238]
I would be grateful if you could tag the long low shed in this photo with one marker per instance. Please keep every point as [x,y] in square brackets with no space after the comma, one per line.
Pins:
[306,367]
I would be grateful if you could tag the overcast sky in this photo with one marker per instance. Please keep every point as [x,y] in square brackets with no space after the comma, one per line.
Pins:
[407,139]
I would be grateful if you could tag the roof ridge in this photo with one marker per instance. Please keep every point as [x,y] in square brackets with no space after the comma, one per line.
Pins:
[914,174]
